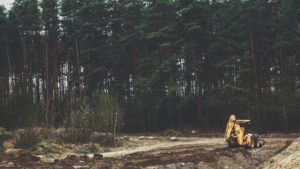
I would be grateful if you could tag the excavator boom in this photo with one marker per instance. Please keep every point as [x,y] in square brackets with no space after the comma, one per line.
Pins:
[233,126]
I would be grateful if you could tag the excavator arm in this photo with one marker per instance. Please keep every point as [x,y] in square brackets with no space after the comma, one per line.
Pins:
[233,125]
[237,133]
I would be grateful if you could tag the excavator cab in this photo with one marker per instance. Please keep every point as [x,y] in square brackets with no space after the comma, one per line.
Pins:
[239,133]
[245,125]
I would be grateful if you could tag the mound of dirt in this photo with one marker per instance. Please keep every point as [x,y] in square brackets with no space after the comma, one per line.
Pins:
[18,156]
[287,159]
[194,156]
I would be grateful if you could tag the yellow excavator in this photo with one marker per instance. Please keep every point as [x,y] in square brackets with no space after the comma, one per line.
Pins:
[238,133]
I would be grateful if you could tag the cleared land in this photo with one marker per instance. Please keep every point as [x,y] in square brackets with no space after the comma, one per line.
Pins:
[153,152]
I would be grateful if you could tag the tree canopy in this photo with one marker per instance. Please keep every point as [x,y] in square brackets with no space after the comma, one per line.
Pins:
[168,63]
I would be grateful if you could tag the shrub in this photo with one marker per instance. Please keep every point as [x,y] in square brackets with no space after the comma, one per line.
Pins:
[2,138]
[104,139]
[27,139]
[106,113]
[101,113]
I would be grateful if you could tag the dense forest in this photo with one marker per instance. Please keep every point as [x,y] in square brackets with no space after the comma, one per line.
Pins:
[149,65]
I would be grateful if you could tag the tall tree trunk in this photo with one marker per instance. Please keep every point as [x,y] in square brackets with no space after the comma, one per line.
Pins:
[25,78]
[283,90]
[254,65]
[30,74]
[37,89]
[188,75]
[77,67]
[54,74]
[9,61]
[47,99]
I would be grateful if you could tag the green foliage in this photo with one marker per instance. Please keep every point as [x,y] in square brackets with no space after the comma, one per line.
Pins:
[106,113]
[159,63]
[101,113]
[45,147]
[2,139]
[27,139]
[173,88]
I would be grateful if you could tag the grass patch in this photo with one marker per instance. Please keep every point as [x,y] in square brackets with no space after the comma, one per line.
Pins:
[49,151]
[45,147]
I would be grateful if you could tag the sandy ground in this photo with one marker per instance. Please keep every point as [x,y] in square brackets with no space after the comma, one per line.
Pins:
[287,159]
[209,143]
[157,152]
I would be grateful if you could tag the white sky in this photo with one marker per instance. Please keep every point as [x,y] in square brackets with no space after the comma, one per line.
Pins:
[6,3]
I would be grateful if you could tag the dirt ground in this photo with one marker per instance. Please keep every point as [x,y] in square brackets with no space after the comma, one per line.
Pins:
[158,152]
[287,159]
